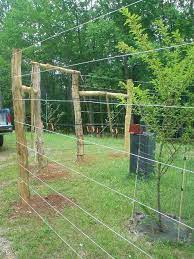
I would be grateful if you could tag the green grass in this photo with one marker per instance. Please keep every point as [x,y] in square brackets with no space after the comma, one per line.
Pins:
[31,238]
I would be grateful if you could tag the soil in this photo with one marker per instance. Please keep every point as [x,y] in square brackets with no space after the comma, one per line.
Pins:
[41,206]
[88,159]
[115,155]
[52,171]
[144,225]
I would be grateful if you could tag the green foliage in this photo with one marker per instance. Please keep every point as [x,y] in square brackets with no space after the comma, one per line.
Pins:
[23,23]
[172,74]
[164,107]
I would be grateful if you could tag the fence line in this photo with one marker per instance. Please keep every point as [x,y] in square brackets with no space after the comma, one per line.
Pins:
[111,103]
[104,77]
[111,148]
[114,123]
[71,223]
[108,187]
[115,57]
[93,112]
[131,54]
[52,228]
[117,79]
[86,212]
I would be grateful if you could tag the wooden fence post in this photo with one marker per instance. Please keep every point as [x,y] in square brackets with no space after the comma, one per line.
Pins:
[22,150]
[78,117]
[109,115]
[32,117]
[128,114]
[37,116]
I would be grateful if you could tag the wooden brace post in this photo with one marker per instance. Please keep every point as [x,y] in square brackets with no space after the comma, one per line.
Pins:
[36,113]
[78,117]
[128,114]
[76,102]
[22,150]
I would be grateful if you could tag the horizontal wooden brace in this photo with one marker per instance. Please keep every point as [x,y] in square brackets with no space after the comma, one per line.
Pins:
[102,93]
[51,67]
[27,89]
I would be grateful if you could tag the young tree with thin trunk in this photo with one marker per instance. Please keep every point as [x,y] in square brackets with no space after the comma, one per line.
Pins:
[164,106]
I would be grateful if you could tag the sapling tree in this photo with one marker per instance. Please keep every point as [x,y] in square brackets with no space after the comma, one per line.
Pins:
[164,106]
[52,116]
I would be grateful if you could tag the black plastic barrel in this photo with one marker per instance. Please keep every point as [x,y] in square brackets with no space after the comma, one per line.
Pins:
[142,153]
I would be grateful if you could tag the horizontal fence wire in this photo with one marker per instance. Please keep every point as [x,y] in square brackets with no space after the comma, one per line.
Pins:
[51,228]
[64,217]
[93,112]
[104,77]
[109,58]
[82,24]
[131,54]
[111,103]
[85,211]
[108,187]
[86,124]
[114,79]
[111,148]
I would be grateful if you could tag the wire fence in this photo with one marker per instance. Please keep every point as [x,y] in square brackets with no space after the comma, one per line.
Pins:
[111,189]
[108,188]
[134,201]
[179,174]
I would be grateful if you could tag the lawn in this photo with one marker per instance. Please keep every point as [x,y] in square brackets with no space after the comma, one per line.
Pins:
[30,237]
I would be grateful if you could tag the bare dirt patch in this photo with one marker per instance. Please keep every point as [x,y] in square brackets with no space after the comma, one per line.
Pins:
[88,159]
[52,171]
[41,205]
[117,155]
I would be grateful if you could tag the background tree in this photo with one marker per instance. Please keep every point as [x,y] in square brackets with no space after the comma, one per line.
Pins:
[164,107]
[25,23]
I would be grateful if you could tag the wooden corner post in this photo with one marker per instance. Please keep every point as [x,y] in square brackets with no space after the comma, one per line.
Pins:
[78,117]
[38,125]
[22,150]
[128,114]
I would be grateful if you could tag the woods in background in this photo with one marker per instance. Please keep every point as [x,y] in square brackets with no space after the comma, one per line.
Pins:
[23,23]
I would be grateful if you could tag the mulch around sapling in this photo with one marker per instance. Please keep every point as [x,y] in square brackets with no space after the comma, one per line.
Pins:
[144,225]
[52,171]
[41,206]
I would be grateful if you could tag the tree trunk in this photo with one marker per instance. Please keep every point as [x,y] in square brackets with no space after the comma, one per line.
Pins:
[126,69]
[101,114]
[1,100]
[159,175]
[109,115]
[128,115]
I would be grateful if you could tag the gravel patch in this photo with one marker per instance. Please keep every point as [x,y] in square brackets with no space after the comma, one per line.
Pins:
[6,251]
